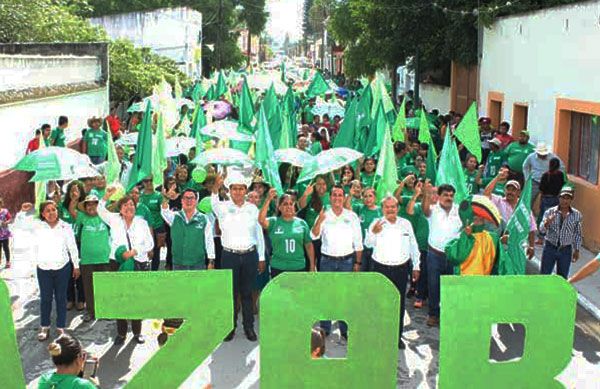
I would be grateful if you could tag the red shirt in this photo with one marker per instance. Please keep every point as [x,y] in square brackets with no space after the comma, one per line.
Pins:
[505,139]
[33,145]
[114,123]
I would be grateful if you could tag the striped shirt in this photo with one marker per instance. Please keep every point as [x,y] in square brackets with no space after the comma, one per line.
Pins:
[563,232]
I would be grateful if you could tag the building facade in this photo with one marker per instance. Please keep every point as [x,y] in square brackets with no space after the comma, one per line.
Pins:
[539,71]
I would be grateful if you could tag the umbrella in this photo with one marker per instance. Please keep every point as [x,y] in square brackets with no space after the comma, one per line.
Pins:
[220,109]
[293,156]
[129,139]
[330,109]
[183,101]
[328,161]
[179,145]
[223,156]
[57,163]
[225,129]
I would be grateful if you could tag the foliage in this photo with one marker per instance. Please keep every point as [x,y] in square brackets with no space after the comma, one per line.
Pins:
[385,33]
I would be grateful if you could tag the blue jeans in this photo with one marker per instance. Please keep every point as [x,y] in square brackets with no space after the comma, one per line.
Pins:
[546,203]
[437,265]
[199,266]
[97,160]
[552,255]
[53,284]
[336,265]
[422,290]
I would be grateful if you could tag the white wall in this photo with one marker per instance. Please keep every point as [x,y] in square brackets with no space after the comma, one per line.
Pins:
[29,71]
[18,121]
[435,97]
[538,57]
[172,32]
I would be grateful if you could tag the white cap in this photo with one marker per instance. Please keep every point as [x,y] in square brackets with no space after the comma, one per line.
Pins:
[236,177]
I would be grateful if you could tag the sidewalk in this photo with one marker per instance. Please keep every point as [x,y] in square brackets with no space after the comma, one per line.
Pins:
[589,289]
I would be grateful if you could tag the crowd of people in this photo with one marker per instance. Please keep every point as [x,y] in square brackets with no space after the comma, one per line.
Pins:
[334,223]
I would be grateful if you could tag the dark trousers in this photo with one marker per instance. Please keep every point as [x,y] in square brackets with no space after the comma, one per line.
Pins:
[437,265]
[422,289]
[317,248]
[156,249]
[136,325]
[367,260]
[218,252]
[169,244]
[552,256]
[53,284]
[399,277]
[6,249]
[244,268]
[87,278]
[276,272]
[75,290]
[546,203]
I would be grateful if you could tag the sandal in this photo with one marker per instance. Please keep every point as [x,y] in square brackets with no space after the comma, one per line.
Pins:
[43,334]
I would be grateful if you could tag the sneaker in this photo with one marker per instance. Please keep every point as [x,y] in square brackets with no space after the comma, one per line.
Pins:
[433,321]
[418,304]
[139,339]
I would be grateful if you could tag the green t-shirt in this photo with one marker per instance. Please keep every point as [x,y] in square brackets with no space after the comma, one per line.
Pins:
[516,153]
[288,239]
[315,148]
[64,214]
[98,192]
[495,161]
[53,380]
[308,115]
[153,201]
[366,216]
[95,239]
[311,215]
[367,179]
[142,211]
[58,137]
[418,221]
[472,185]
[96,141]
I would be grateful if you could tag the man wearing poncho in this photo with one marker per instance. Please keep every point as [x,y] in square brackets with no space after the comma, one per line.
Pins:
[475,251]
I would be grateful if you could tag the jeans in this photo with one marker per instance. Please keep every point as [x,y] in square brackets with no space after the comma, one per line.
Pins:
[75,290]
[546,203]
[53,283]
[336,265]
[244,268]
[199,266]
[136,325]
[87,279]
[97,160]
[437,265]
[422,290]
[561,257]
[399,277]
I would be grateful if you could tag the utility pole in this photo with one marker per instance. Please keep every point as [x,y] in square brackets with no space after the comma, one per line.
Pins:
[219,47]
[416,104]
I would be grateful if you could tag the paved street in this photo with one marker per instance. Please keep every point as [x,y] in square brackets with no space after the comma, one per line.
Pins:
[236,364]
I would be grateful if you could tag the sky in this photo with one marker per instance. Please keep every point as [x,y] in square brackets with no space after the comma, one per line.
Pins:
[284,17]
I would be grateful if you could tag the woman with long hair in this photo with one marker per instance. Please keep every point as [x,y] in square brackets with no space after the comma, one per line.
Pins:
[69,358]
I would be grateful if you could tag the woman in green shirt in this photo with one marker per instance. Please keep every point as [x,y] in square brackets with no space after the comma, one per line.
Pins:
[367,212]
[367,176]
[94,238]
[153,200]
[473,174]
[74,195]
[290,236]
[314,199]
[69,359]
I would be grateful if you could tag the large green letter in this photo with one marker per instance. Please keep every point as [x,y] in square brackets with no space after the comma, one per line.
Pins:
[293,302]
[545,305]
[11,373]
[203,298]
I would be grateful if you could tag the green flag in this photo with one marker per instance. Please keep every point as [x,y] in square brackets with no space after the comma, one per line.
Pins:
[380,95]
[346,134]
[270,102]
[198,121]
[197,92]
[400,123]
[317,87]
[159,158]
[289,101]
[512,260]
[376,133]
[264,157]
[221,87]
[364,108]
[177,90]
[450,169]
[386,173]
[40,187]
[306,74]
[431,164]
[142,163]
[468,132]
[113,166]
[246,108]
[210,94]
[424,134]
[287,136]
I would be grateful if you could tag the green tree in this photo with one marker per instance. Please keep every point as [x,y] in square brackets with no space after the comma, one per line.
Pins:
[254,16]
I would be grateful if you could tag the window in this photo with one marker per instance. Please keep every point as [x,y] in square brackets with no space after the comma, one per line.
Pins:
[584,146]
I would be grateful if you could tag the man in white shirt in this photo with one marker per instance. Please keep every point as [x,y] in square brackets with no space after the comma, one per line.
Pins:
[243,244]
[341,242]
[444,225]
[394,244]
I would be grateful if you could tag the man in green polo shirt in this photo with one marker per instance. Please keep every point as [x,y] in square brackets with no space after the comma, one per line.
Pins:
[191,234]
[95,142]
[94,251]
[57,137]
[517,152]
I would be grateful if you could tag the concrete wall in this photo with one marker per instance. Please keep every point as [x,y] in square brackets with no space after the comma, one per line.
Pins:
[435,97]
[172,32]
[538,57]
[19,121]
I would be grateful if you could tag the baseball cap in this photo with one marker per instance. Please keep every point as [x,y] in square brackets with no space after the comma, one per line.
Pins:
[514,183]
[91,199]
[567,191]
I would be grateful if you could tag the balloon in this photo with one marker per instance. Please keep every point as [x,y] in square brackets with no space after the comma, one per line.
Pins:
[205,206]
[199,175]
[119,194]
